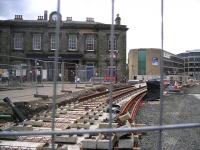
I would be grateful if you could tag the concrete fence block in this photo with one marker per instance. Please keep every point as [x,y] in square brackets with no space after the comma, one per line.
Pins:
[127,142]
[33,123]
[103,143]
[66,139]
[120,134]
[125,117]
[21,128]
[89,143]
[106,125]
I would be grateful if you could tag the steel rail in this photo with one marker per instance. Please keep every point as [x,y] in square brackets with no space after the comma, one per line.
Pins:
[126,91]
[136,106]
[116,93]
[93,95]
[105,130]
[130,103]
[89,96]
[120,94]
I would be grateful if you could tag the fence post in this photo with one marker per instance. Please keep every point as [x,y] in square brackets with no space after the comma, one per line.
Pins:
[41,75]
[76,75]
[21,75]
[36,89]
[62,75]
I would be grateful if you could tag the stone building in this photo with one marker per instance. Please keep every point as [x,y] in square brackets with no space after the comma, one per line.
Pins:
[144,63]
[81,43]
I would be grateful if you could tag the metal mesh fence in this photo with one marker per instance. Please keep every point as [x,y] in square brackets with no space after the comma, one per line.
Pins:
[42,72]
[39,72]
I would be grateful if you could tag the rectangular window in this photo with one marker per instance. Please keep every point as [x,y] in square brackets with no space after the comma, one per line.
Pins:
[115,43]
[72,42]
[18,41]
[90,42]
[142,62]
[36,41]
[53,42]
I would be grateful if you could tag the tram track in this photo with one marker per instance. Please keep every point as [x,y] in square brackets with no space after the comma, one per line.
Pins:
[82,113]
[133,105]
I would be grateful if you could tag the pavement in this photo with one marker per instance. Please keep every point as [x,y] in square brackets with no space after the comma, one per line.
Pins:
[26,93]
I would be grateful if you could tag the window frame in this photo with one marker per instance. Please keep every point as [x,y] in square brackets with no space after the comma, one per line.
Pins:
[90,43]
[72,42]
[53,42]
[18,41]
[115,43]
[36,42]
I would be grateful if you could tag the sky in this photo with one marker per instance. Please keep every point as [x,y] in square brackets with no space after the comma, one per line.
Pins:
[142,17]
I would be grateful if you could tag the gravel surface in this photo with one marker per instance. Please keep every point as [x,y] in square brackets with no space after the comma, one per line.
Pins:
[178,108]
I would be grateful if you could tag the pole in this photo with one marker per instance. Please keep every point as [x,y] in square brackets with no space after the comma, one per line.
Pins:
[21,75]
[36,89]
[62,75]
[111,75]
[41,75]
[187,68]
[55,73]
[76,75]
[116,65]
[195,68]
[161,78]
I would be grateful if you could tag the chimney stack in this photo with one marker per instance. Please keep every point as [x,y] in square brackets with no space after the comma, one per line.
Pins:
[45,15]
[18,17]
[69,18]
[88,19]
[40,18]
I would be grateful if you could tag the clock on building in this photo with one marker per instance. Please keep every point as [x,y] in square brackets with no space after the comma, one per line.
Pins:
[54,16]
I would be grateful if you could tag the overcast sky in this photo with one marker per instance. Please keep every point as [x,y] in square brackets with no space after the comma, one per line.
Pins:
[142,17]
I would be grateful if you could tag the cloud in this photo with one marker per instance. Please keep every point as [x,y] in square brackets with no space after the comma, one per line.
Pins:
[142,17]
[8,8]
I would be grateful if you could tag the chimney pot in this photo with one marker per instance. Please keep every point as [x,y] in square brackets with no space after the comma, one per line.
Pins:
[45,14]
[88,19]
[18,17]
[69,18]
[40,17]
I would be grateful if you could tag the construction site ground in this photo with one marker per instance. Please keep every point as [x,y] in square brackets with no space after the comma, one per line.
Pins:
[26,93]
[24,96]
[178,108]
